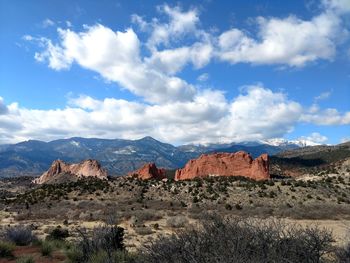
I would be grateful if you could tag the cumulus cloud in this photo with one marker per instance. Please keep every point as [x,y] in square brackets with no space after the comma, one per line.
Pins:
[337,6]
[171,61]
[257,113]
[180,24]
[116,56]
[288,41]
[328,116]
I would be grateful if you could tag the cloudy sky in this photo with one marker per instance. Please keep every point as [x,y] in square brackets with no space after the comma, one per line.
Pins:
[181,72]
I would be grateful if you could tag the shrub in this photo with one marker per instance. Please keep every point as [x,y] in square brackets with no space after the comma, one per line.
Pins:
[25,259]
[20,235]
[6,249]
[115,257]
[106,237]
[177,221]
[239,207]
[228,207]
[240,241]
[58,233]
[46,249]
[143,231]
[343,254]
[75,254]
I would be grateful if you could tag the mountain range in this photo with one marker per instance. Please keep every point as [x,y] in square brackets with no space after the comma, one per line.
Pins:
[118,156]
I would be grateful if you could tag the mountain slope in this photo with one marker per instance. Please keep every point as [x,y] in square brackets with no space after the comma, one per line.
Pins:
[118,156]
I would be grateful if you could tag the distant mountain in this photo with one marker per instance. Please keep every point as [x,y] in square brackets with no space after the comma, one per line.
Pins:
[118,156]
[286,143]
[309,159]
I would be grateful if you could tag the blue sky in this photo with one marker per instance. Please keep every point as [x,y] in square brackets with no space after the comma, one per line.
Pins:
[182,72]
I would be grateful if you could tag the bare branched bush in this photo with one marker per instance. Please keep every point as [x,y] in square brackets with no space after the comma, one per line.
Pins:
[20,235]
[107,238]
[241,240]
[343,254]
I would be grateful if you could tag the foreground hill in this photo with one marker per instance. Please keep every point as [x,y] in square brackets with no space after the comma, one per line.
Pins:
[118,156]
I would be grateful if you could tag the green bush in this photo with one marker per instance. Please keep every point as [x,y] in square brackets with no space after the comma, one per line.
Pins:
[58,233]
[75,254]
[25,259]
[6,249]
[46,248]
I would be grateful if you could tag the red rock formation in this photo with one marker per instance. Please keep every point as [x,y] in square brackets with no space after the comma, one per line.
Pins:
[87,168]
[226,164]
[148,171]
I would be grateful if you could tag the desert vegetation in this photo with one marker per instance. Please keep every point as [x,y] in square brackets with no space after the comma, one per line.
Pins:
[213,239]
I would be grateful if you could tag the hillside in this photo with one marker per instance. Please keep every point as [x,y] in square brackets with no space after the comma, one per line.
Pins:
[118,156]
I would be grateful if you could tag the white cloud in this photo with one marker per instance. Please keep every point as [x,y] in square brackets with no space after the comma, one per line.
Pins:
[180,24]
[115,55]
[323,96]
[337,6]
[203,77]
[258,113]
[314,138]
[288,41]
[171,61]
[328,116]
[54,55]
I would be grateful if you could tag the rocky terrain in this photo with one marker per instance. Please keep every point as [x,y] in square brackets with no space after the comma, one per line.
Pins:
[60,171]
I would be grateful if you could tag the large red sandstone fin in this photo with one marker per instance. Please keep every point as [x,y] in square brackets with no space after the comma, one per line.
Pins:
[148,171]
[226,164]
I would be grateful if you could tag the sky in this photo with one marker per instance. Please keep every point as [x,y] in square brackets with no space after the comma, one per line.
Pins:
[179,71]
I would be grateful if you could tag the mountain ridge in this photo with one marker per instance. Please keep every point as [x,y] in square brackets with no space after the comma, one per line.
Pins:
[118,156]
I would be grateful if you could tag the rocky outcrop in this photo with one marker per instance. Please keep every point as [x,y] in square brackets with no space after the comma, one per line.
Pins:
[58,169]
[226,164]
[148,171]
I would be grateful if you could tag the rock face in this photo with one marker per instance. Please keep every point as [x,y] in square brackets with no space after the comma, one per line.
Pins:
[148,171]
[87,168]
[226,164]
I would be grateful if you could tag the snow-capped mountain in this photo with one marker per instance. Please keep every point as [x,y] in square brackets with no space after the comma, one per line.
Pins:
[285,142]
